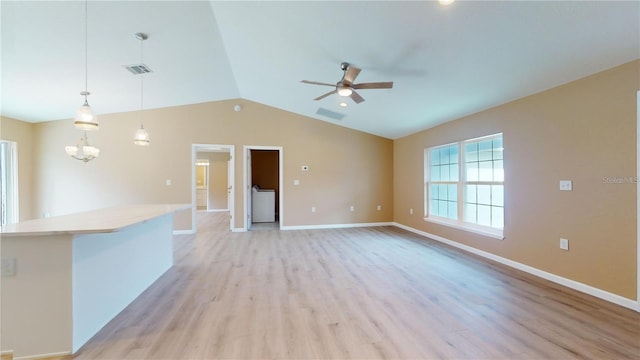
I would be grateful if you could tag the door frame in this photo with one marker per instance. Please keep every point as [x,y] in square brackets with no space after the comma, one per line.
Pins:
[247,183]
[637,180]
[195,148]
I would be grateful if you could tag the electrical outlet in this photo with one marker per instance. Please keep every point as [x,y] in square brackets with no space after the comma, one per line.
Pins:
[564,244]
[296,182]
[313,209]
[411,211]
[8,267]
[168,182]
[352,208]
[379,208]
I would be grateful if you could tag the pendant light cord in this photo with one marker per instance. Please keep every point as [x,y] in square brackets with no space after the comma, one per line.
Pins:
[142,83]
[86,50]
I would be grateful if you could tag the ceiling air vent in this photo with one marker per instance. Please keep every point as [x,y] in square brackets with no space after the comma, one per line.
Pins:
[138,69]
[330,114]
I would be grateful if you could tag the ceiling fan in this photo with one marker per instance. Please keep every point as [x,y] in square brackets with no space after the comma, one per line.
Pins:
[346,87]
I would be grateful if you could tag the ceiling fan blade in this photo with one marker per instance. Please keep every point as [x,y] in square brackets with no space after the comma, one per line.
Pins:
[356,97]
[316,83]
[351,74]
[325,95]
[374,85]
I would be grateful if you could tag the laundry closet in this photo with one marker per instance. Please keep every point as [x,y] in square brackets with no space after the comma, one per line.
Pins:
[264,186]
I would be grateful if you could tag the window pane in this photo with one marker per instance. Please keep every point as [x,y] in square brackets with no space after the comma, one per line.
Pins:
[442,191]
[471,152]
[497,195]
[452,191]
[434,191]
[497,148]
[498,170]
[433,207]
[435,157]
[470,213]
[484,215]
[444,172]
[453,154]
[484,194]
[444,155]
[485,171]
[442,208]
[435,173]
[453,172]
[453,210]
[472,171]
[497,217]
[470,193]
[485,150]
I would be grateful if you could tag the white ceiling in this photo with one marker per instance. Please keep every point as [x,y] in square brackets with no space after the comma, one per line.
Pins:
[446,62]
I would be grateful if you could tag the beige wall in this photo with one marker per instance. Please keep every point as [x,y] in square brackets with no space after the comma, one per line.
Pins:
[218,178]
[583,131]
[347,166]
[23,134]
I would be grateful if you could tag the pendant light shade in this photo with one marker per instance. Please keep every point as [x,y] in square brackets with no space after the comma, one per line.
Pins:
[142,137]
[85,118]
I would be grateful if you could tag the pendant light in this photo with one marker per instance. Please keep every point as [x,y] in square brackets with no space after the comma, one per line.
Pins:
[142,136]
[85,118]
[83,150]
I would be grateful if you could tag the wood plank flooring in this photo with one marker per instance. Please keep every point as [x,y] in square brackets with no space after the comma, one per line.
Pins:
[362,293]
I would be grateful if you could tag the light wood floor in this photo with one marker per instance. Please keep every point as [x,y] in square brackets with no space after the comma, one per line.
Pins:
[362,293]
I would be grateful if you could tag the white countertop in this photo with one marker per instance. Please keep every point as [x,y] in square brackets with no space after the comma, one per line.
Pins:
[94,221]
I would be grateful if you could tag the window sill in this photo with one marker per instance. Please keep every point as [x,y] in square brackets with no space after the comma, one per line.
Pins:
[489,232]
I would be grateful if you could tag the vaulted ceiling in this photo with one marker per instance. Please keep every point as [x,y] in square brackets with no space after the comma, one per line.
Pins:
[445,62]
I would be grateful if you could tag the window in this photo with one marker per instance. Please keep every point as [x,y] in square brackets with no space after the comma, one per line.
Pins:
[8,183]
[464,185]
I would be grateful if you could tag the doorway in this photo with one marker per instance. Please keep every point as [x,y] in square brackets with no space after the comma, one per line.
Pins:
[212,174]
[263,187]
[638,200]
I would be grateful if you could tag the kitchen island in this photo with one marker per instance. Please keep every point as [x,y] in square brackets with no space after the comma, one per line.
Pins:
[65,277]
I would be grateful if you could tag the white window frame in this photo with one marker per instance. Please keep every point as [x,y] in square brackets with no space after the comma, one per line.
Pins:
[9,213]
[459,223]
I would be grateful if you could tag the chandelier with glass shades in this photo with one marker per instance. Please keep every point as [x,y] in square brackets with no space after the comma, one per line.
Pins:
[82,150]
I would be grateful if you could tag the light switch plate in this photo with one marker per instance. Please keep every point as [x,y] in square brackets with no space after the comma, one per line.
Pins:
[564,244]
[566,185]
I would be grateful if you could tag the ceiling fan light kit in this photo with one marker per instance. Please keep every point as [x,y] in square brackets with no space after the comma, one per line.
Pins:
[346,86]
[345,91]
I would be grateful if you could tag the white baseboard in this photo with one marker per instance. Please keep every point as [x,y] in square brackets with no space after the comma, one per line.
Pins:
[183,232]
[587,289]
[238,230]
[334,226]
[42,356]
